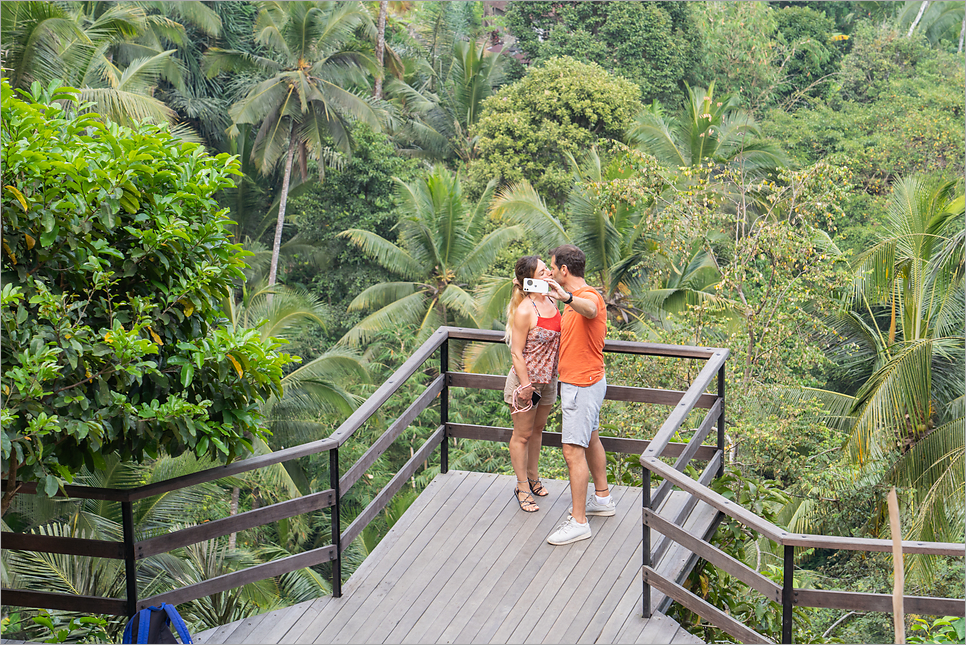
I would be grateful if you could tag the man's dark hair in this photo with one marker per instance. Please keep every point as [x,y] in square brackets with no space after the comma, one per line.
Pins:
[570,256]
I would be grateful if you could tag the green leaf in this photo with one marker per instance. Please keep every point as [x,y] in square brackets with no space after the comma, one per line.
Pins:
[51,485]
[187,374]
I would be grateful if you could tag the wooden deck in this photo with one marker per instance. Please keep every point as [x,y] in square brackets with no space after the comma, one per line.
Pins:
[465,565]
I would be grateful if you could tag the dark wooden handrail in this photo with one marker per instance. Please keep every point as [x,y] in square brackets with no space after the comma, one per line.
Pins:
[786,595]
[689,452]
[784,538]
[613,393]
[610,346]
[687,403]
[553,440]
[131,550]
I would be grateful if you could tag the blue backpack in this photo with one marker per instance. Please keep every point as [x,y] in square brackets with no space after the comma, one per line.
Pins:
[151,626]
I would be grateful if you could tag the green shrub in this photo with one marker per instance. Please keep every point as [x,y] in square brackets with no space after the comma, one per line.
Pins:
[526,128]
[115,263]
[653,44]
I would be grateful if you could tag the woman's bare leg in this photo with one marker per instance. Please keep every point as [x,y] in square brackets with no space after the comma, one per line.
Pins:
[519,446]
[536,441]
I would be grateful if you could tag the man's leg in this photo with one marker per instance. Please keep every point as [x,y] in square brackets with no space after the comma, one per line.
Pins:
[577,466]
[597,462]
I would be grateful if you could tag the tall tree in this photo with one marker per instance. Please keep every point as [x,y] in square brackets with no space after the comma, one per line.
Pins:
[115,53]
[112,282]
[901,331]
[380,46]
[441,251]
[302,99]
[709,128]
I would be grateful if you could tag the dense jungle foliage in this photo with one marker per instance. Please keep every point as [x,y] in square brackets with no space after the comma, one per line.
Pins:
[196,194]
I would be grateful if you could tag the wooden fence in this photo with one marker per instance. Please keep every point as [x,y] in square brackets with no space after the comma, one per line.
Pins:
[130,549]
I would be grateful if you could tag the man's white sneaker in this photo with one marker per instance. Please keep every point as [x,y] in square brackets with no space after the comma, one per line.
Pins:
[569,531]
[593,507]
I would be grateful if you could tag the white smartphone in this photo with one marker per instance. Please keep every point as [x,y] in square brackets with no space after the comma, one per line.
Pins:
[535,286]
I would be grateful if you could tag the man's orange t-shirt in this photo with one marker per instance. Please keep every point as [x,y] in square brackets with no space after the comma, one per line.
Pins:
[582,342]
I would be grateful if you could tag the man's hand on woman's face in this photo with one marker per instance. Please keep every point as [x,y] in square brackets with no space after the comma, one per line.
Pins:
[556,290]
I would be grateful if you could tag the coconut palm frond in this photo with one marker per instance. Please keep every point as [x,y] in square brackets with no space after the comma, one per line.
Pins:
[829,408]
[410,310]
[492,296]
[482,257]
[487,358]
[379,295]
[387,254]
[296,586]
[520,204]
[895,400]
[651,132]
[218,60]
[124,107]
[454,297]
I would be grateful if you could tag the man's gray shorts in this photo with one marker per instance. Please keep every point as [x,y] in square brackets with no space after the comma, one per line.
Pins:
[581,411]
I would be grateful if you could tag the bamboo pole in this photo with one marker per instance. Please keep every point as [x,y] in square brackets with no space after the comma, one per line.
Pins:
[898,568]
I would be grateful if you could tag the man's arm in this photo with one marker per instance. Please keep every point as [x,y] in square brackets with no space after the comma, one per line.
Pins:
[586,307]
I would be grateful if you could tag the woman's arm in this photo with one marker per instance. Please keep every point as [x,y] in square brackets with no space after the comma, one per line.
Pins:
[522,319]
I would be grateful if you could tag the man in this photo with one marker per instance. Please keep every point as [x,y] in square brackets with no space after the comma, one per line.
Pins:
[582,388]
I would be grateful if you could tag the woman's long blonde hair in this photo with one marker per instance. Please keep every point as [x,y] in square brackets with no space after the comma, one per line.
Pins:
[525,268]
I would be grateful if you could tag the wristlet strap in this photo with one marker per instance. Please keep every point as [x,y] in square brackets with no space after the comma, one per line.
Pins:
[513,400]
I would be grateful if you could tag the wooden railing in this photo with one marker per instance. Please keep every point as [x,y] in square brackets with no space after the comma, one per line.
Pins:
[786,595]
[131,549]
[652,452]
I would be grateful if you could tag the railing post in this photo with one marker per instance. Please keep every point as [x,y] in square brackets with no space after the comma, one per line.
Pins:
[130,571]
[721,418]
[788,592]
[336,524]
[444,405]
[646,547]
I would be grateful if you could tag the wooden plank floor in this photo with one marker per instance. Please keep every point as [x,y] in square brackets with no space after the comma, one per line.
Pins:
[465,565]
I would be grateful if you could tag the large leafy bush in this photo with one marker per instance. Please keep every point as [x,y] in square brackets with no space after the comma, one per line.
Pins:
[527,128]
[653,44]
[115,260]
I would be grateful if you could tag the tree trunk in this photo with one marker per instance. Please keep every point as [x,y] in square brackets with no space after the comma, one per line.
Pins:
[277,244]
[12,487]
[381,47]
[962,32]
[915,23]
[233,510]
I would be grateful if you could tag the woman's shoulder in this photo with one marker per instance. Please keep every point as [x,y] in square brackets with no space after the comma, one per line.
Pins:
[525,313]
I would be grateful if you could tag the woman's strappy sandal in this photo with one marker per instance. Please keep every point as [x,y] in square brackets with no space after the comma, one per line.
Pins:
[527,504]
[536,487]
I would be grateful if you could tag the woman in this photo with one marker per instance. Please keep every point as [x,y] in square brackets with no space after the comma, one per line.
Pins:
[533,334]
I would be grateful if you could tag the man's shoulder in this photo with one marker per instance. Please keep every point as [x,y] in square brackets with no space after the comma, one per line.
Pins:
[588,291]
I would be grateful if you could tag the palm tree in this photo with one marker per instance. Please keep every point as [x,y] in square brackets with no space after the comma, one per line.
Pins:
[441,251]
[936,20]
[902,325]
[709,129]
[611,234]
[301,101]
[439,96]
[380,47]
[114,53]
[311,390]
[683,281]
